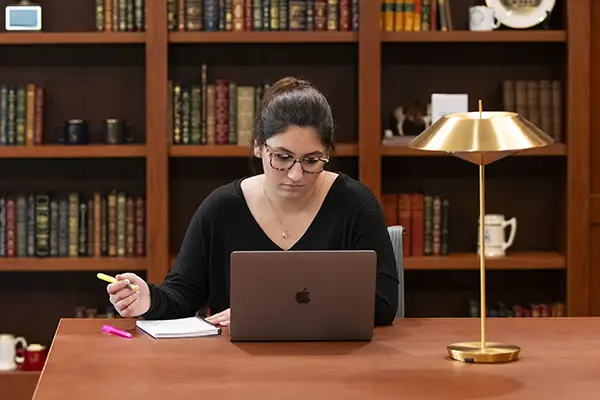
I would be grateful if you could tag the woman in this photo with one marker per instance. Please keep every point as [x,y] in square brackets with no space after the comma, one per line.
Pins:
[295,204]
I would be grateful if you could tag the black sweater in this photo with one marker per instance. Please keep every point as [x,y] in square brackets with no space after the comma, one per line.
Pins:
[350,218]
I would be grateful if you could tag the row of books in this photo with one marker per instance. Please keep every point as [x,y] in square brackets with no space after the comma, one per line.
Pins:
[221,112]
[535,310]
[539,101]
[72,225]
[262,15]
[415,15]
[425,218]
[21,114]
[120,15]
[82,311]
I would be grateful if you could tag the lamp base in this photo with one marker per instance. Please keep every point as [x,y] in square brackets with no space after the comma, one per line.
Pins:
[493,352]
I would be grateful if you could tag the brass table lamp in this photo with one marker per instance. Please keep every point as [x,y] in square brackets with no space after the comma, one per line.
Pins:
[481,138]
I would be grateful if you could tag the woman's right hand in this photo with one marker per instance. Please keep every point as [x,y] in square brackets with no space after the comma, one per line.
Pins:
[128,302]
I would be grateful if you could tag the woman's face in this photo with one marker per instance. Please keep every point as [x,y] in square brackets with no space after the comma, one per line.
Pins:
[280,151]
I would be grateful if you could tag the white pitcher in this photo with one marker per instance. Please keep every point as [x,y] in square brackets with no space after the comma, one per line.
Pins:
[8,351]
[495,235]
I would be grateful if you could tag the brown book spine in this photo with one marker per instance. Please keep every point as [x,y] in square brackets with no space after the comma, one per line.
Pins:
[508,95]
[210,113]
[30,114]
[416,240]
[320,15]
[97,223]
[333,15]
[171,15]
[140,230]
[91,228]
[112,224]
[248,15]
[228,15]
[405,219]
[297,15]
[181,15]
[222,111]
[130,227]
[445,226]
[11,227]
[428,225]
[38,130]
[121,224]
[521,98]
[108,10]
[345,20]
[437,225]
[239,21]
[194,17]
[21,116]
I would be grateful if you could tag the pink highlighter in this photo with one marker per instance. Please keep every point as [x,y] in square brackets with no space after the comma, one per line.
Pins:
[116,331]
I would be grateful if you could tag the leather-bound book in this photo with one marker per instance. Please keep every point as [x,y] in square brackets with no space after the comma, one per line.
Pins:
[222,111]
[11,125]
[99,16]
[31,225]
[2,226]
[112,224]
[104,226]
[245,114]
[310,15]
[130,227]
[121,224]
[108,11]
[140,227]
[345,19]
[228,15]
[445,226]
[248,15]
[90,227]
[97,223]
[130,15]
[38,129]
[274,15]
[193,15]
[185,115]
[297,15]
[333,15]
[355,14]
[171,15]
[283,15]
[232,123]
[196,115]
[239,22]
[73,224]
[211,15]
[437,225]
[320,15]
[21,116]
[222,15]
[11,227]
[3,115]
[204,85]
[533,102]
[139,15]
[210,113]
[122,15]
[557,110]
[82,228]
[63,227]
[181,14]
[428,225]
[30,113]
[21,226]
[177,115]
[256,14]
[266,15]
[546,107]
[54,213]
[42,225]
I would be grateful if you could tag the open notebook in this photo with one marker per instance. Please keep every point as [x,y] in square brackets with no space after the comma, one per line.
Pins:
[178,328]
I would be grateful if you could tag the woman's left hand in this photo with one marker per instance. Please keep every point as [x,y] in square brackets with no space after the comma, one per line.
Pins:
[222,318]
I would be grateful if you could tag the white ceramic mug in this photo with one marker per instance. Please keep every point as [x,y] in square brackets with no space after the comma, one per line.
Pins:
[482,18]
[8,351]
[495,235]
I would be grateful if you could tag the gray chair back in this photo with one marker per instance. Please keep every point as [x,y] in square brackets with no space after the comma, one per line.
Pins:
[396,233]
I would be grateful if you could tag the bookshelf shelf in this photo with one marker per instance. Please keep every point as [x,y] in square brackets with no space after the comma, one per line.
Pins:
[72,151]
[557,149]
[263,37]
[343,150]
[551,36]
[38,38]
[73,264]
[468,261]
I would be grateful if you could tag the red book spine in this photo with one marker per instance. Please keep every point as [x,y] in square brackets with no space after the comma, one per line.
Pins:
[222,111]
[11,227]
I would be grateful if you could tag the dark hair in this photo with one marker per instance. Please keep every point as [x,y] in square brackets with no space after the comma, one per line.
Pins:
[294,102]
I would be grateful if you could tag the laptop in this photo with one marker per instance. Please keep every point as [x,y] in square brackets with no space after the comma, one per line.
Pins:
[302,295]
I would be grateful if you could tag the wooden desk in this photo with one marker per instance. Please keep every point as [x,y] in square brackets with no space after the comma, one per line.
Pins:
[559,360]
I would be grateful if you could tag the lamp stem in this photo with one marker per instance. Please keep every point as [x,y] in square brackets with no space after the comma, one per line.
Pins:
[483,308]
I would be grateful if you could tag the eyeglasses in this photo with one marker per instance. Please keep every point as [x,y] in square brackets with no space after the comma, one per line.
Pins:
[285,162]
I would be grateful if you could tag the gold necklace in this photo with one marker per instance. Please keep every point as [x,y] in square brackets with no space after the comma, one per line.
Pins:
[284,233]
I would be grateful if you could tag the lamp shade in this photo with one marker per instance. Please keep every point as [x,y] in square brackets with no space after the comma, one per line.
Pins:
[481,137]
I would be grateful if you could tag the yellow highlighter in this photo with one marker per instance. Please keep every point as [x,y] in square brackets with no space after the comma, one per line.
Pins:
[111,279]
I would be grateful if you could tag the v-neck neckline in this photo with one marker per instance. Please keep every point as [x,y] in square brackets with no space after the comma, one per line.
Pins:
[238,187]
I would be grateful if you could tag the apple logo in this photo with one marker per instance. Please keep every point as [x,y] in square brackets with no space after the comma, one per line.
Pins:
[303,296]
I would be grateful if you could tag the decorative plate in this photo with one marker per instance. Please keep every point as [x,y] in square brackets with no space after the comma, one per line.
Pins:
[521,13]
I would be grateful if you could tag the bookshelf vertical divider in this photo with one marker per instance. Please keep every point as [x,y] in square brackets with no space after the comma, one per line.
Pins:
[157,160]
[369,96]
[577,98]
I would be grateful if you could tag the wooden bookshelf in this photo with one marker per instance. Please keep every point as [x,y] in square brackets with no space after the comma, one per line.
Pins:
[557,149]
[73,151]
[39,38]
[263,37]
[470,261]
[365,74]
[94,264]
[465,36]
